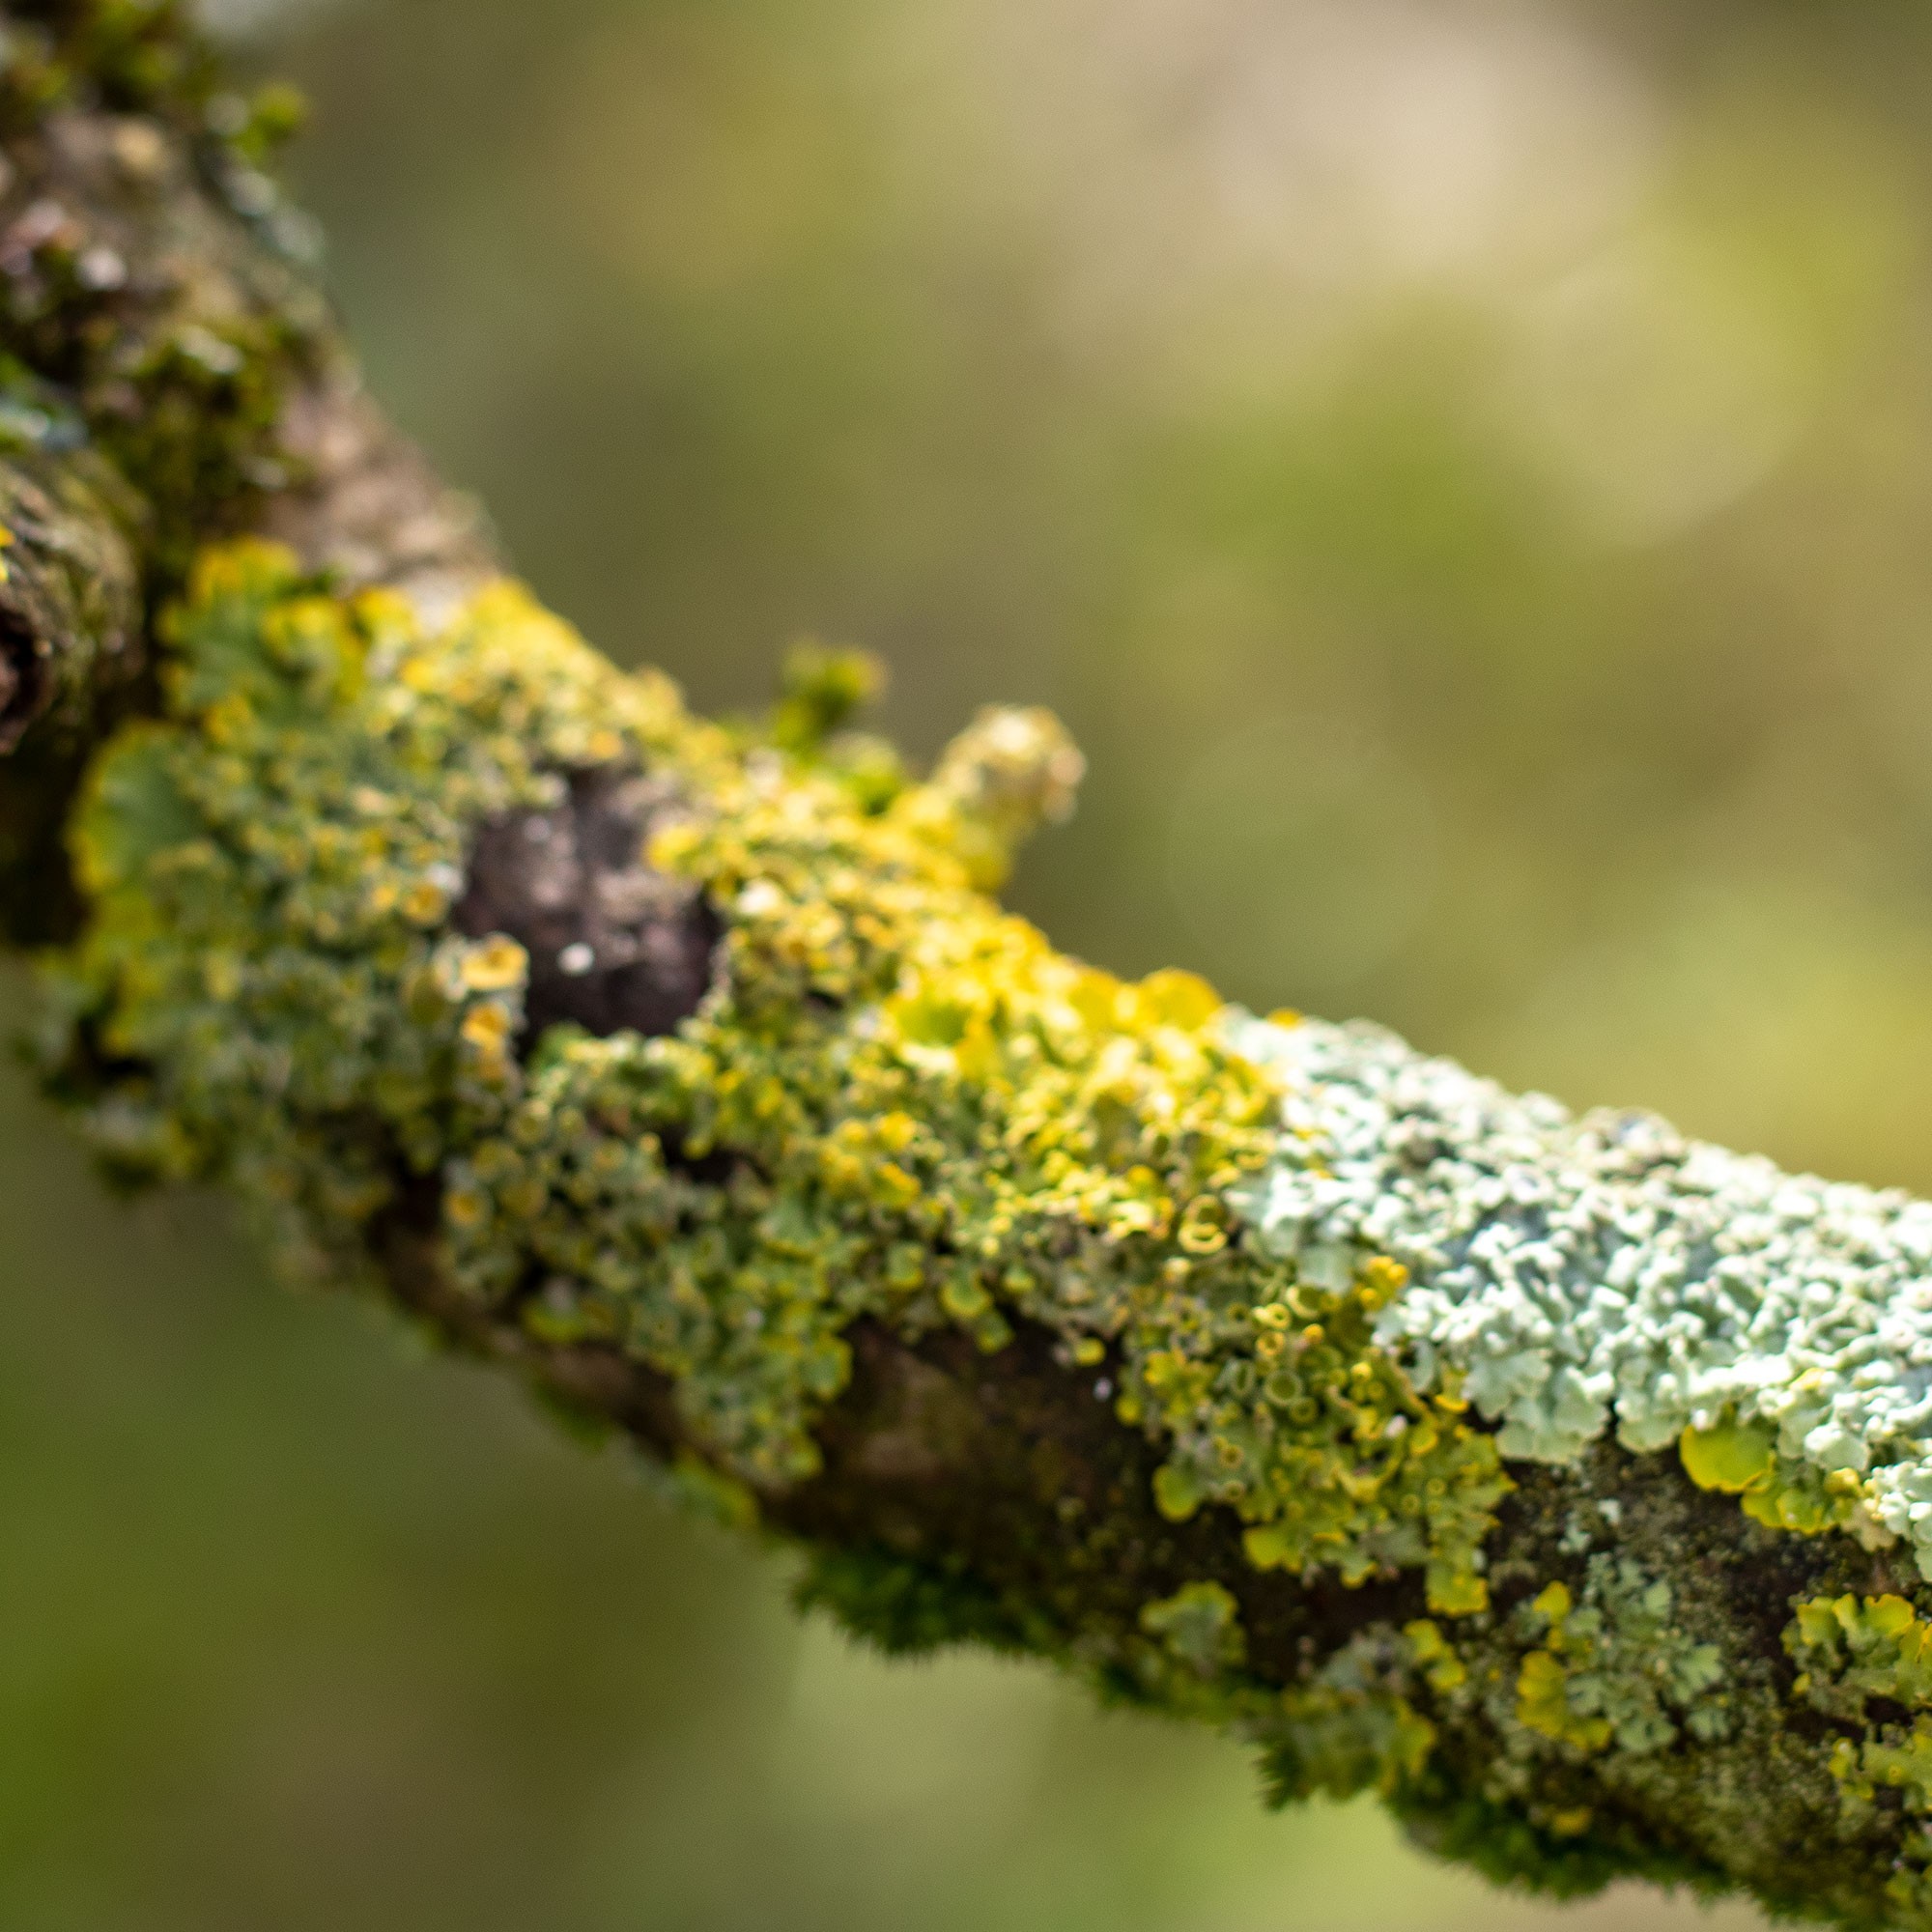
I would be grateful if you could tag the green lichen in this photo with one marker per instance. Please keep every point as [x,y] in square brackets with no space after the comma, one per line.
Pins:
[1542,1689]
[1562,1720]
[897,1105]
[897,1101]
[1867,1665]
[1200,1627]
[1351,1728]
[1742,1459]
[1617,1671]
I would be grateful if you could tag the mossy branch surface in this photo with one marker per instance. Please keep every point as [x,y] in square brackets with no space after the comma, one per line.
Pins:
[1568,1483]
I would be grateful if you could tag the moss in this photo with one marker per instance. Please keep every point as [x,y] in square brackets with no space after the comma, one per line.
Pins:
[1573,1854]
[198,432]
[908,1610]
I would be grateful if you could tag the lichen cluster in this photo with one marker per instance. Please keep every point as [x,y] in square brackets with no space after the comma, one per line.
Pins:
[1282,1379]
[154,301]
[1586,1694]
[272,867]
[897,1101]
[1335,1282]
[1572,1276]
[1867,1665]
[1349,1724]
[1617,1670]
[1305,1264]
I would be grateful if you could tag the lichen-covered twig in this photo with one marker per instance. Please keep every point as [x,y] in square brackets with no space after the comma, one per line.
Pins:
[1565,1482]
[169,374]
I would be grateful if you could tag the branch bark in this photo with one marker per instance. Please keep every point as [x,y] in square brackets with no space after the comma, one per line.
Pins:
[1266,1375]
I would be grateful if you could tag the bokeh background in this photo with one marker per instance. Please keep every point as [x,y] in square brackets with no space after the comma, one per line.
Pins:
[1462,468]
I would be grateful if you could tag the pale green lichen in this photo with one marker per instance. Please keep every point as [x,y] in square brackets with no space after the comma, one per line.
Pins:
[1617,1670]
[1579,1275]
[1200,1626]
[897,1101]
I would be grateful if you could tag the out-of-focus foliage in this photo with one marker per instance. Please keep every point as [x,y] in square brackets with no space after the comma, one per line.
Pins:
[1461,469]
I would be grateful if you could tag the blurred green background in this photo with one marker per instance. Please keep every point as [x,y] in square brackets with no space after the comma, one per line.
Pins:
[1463,472]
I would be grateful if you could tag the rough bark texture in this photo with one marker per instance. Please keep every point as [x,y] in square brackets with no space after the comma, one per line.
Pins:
[966,1456]
[173,375]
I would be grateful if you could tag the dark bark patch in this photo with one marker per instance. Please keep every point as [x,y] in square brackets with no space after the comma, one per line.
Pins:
[614,943]
[1008,1475]
[20,683]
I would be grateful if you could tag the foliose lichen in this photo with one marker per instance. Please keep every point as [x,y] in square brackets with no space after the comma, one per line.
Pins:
[1571,1276]
[1867,1665]
[1616,1669]
[1304,1264]
[896,1101]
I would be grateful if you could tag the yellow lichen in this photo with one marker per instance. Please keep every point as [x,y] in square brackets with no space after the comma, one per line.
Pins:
[1740,1458]
[1543,1683]
[897,1101]
[1857,1650]
[1429,1652]
[1733,1456]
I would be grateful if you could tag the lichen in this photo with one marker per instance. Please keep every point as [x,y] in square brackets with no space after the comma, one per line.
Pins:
[1350,1727]
[1574,1275]
[1275,1253]
[1867,1665]
[1617,1670]
[896,1102]
[1359,1472]
[1200,1628]
[156,288]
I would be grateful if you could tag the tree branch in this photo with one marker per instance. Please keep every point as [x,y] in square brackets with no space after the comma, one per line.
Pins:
[70,612]
[172,374]
[1563,1481]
